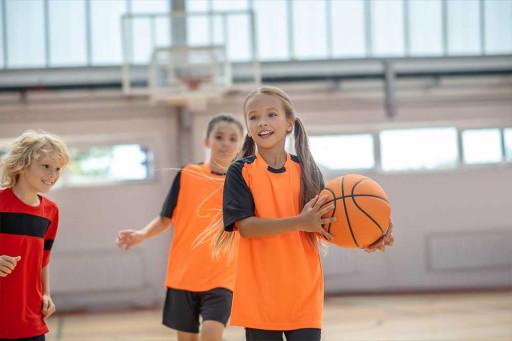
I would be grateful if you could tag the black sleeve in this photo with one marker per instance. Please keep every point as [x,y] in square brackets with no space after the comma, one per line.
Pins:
[238,202]
[172,198]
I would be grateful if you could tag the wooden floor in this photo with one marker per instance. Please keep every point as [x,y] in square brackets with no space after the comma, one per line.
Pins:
[461,316]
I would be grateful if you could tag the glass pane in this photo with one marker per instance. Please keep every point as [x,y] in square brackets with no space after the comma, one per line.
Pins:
[309,29]
[104,164]
[507,134]
[343,151]
[198,27]
[415,149]
[25,33]
[2,61]
[272,29]
[67,33]
[387,27]
[237,30]
[106,31]
[498,26]
[425,27]
[348,31]
[463,27]
[481,146]
[148,33]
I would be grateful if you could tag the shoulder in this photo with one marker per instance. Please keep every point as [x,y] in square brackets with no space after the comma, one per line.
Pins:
[238,165]
[294,158]
[49,207]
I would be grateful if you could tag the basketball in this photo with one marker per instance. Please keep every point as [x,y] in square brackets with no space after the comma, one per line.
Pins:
[361,208]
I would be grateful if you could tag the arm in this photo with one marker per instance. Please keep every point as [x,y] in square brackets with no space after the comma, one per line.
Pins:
[7,264]
[309,220]
[386,239]
[47,306]
[127,239]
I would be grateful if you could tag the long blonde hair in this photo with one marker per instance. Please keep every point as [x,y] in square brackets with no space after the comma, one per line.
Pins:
[28,147]
[311,180]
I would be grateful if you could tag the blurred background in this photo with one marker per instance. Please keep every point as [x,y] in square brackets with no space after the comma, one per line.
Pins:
[416,94]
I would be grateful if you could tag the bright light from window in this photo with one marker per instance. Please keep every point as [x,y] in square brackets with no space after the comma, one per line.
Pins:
[343,151]
[507,134]
[415,149]
[481,146]
[106,164]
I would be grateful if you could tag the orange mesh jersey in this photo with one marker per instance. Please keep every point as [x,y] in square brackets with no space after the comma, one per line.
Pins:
[194,202]
[279,281]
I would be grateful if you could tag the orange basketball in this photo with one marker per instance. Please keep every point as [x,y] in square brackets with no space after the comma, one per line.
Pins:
[361,208]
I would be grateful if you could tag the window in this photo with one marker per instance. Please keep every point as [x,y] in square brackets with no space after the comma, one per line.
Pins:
[272,29]
[108,164]
[481,146]
[309,29]
[507,136]
[106,31]
[387,28]
[343,151]
[463,27]
[498,26]
[416,149]
[25,33]
[425,23]
[347,28]
[67,33]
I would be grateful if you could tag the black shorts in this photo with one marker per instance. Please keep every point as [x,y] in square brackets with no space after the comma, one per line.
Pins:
[33,338]
[183,308]
[306,334]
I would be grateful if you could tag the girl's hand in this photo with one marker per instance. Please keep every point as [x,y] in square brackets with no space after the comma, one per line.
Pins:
[311,217]
[129,238]
[7,264]
[385,240]
[47,306]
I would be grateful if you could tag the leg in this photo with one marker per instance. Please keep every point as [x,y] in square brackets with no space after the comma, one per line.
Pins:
[252,334]
[306,334]
[212,331]
[184,336]
[215,308]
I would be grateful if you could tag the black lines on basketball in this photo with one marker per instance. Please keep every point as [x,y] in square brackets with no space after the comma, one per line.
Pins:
[346,213]
[333,210]
[359,207]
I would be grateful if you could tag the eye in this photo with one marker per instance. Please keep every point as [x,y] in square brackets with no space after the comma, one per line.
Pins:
[252,118]
[272,114]
[58,169]
[218,137]
[46,166]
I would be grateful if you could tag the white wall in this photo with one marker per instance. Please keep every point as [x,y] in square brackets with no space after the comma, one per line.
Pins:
[453,229]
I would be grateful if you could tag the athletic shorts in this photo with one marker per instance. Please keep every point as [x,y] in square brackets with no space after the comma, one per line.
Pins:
[33,338]
[306,334]
[182,308]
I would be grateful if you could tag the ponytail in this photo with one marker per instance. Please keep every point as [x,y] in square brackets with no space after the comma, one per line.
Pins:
[311,179]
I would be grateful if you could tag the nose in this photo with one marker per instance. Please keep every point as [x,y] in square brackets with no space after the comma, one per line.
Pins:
[53,172]
[262,123]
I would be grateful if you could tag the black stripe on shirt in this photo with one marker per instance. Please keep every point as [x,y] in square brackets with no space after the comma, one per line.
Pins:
[48,243]
[23,224]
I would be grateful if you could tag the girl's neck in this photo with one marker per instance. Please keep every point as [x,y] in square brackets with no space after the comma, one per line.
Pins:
[274,158]
[28,197]
[218,167]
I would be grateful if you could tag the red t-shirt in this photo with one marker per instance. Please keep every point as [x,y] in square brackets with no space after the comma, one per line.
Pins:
[28,232]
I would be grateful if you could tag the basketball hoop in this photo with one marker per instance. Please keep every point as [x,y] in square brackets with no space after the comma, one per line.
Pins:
[194,82]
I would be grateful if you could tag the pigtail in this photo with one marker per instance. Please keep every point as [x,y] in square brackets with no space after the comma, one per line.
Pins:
[311,179]
[248,148]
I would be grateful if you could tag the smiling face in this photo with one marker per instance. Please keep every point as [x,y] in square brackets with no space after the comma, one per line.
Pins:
[40,175]
[267,122]
[224,142]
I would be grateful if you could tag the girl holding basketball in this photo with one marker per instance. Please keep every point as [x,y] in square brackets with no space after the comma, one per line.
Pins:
[271,198]
[197,285]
